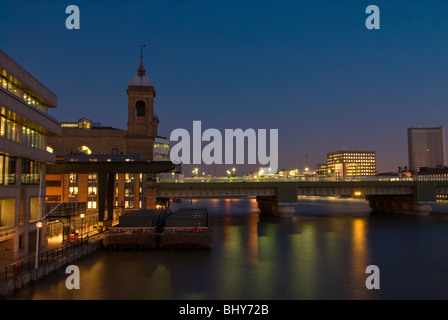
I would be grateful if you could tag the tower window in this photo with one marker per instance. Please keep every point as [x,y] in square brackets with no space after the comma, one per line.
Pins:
[140,111]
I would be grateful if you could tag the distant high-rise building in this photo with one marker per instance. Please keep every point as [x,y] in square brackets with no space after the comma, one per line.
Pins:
[345,164]
[426,147]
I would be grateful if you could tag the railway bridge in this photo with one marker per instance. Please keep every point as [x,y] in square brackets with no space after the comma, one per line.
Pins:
[279,197]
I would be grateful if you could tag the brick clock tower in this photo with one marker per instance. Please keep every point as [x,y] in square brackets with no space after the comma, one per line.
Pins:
[142,127]
[142,123]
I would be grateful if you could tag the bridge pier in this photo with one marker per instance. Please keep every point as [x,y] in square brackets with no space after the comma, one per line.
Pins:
[269,205]
[399,204]
[420,202]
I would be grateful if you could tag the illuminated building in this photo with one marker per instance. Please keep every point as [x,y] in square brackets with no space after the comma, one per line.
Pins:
[346,164]
[88,141]
[161,149]
[25,126]
[426,148]
[322,169]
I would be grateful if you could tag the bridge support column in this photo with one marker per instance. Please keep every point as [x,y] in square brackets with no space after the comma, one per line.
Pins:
[404,204]
[269,205]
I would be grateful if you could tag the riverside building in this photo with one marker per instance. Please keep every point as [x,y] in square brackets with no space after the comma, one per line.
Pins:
[24,128]
[348,164]
[88,141]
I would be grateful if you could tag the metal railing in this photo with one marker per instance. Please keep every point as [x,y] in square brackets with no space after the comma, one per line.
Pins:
[296,179]
[27,265]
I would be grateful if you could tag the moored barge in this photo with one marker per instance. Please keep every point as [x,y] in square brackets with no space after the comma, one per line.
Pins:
[187,228]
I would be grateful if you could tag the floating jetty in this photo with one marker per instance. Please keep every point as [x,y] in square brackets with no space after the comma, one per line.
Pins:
[187,228]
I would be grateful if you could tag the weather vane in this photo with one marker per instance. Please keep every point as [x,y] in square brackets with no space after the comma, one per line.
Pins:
[141,49]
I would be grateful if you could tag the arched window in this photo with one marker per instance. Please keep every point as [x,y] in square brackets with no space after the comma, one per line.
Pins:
[140,111]
[81,150]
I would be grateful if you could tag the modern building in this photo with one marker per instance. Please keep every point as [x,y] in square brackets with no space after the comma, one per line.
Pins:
[434,173]
[161,149]
[88,141]
[322,170]
[426,148]
[347,164]
[25,127]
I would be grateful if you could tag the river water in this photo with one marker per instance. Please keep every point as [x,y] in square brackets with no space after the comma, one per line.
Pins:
[322,252]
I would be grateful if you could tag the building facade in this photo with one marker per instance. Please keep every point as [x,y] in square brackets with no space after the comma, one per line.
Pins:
[322,170]
[88,141]
[348,164]
[25,128]
[426,148]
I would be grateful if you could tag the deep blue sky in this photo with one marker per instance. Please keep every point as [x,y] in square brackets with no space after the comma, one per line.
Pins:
[308,68]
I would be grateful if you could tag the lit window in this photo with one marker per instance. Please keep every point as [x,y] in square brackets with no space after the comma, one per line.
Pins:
[73,192]
[82,150]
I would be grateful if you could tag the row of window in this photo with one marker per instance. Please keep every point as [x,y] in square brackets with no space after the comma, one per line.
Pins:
[92,192]
[8,211]
[9,129]
[351,160]
[14,89]
[161,146]
[128,204]
[161,155]
[29,175]
[93,178]
[7,170]
[32,138]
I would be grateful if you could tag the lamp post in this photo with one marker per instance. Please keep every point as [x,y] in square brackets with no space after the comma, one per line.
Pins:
[39,222]
[39,225]
[82,224]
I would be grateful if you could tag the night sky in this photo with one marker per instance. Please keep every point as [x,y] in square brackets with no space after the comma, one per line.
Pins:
[308,68]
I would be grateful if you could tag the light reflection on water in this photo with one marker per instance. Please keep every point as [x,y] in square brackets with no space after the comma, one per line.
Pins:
[320,253]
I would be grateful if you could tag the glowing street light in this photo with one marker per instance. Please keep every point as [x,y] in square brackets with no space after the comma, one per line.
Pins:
[82,223]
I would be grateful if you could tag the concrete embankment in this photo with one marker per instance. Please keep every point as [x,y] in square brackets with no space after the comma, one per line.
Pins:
[21,274]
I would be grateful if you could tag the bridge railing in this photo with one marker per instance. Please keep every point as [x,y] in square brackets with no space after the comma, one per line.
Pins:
[292,179]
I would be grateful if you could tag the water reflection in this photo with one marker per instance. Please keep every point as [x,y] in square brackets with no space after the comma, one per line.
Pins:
[320,253]
[360,258]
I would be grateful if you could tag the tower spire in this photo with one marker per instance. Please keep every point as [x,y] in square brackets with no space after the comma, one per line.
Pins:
[141,69]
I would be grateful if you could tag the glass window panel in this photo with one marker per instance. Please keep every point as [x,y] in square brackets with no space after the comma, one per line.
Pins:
[2,170]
